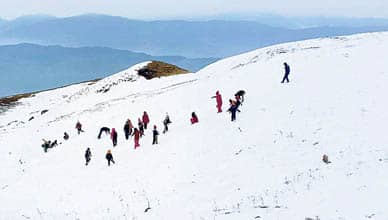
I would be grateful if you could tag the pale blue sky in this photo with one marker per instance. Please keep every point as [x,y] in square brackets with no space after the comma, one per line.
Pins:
[144,9]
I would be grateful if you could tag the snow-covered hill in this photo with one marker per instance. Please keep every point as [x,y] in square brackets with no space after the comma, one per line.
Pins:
[266,165]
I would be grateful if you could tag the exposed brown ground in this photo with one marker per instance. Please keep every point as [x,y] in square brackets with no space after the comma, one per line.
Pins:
[160,69]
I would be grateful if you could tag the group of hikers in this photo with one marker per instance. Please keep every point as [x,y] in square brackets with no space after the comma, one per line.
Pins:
[138,132]
[129,131]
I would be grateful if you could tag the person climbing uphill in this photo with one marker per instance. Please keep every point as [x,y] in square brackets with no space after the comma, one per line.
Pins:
[194,118]
[109,157]
[219,101]
[286,72]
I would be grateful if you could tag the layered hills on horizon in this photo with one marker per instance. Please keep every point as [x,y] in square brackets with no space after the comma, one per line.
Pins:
[91,46]
[200,38]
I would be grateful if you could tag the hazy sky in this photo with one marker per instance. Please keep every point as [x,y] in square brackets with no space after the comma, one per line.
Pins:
[190,8]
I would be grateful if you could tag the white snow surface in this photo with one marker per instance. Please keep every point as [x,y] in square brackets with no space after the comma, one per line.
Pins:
[266,165]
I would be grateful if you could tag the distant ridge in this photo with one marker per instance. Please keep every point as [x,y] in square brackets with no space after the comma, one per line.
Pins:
[211,38]
[26,68]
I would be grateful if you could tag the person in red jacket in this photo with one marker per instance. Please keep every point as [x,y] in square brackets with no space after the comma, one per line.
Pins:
[219,101]
[146,119]
[113,136]
[136,134]
[194,118]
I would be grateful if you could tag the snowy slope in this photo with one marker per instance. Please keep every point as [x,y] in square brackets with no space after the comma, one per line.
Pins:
[267,165]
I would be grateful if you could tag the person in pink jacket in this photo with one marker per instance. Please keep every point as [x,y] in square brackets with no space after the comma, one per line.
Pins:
[219,101]
[194,118]
[146,119]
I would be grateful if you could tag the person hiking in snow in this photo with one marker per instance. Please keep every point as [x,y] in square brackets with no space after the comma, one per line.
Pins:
[233,109]
[65,136]
[219,101]
[127,130]
[141,127]
[166,122]
[146,119]
[286,72]
[155,134]
[113,136]
[194,118]
[109,157]
[46,145]
[88,156]
[136,134]
[240,95]
[54,144]
[238,102]
[103,129]
[78,126]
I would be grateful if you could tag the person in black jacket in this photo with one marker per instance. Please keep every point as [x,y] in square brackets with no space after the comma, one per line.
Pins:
[286,72]
[88,155]
[65,136]
[233,109]
[109,157]
[240,95]
[155,134]
[126,130]
[103,129]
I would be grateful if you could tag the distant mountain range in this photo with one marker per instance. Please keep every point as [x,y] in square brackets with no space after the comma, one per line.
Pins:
[29,67]
[215,38]
[301,22]
[86,41]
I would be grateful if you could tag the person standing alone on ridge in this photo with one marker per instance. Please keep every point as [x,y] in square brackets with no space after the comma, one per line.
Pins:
[286,72]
